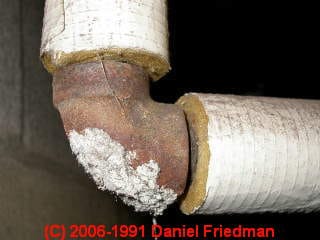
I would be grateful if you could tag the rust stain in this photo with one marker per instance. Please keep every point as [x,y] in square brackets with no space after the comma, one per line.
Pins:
[96,94]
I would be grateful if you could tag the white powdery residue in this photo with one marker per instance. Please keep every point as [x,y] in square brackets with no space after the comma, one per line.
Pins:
[109,164]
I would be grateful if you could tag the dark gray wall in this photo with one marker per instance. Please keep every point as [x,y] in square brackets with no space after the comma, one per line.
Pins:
[40,181]
[10,72]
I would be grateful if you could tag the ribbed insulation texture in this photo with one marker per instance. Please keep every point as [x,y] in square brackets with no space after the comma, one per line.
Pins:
[134,31]
[264,155]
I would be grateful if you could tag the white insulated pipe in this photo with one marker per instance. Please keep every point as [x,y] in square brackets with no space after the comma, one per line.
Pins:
[134,31]
[252,154]
[248,154]
[130,31]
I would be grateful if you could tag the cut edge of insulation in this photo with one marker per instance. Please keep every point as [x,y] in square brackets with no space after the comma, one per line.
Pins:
[156,65]
[197,120]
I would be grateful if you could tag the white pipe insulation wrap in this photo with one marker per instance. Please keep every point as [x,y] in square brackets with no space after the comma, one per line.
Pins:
[134,31]
[252,154]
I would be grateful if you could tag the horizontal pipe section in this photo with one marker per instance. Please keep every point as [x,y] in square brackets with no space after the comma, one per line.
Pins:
[252,154]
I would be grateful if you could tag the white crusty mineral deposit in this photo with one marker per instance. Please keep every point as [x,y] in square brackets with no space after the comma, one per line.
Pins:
[109,164]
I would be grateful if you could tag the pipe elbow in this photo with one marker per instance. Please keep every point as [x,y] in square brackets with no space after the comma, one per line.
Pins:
[127,142]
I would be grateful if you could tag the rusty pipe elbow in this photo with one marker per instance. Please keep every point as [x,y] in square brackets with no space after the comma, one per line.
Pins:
[114,97]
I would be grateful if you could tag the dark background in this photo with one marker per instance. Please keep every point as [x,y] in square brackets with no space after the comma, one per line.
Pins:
[225,46]
[247,48]
[241,47]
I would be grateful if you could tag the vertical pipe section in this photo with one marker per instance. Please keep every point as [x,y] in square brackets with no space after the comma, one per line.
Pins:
[252,154]
[102,54]
[133,31]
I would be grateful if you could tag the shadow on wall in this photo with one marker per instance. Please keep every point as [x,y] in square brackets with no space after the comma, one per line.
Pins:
[41,183]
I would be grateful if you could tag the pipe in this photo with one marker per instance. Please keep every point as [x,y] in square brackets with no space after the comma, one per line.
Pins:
[77,31]
[115,129]
[102,54]
[252,154]
[247,154]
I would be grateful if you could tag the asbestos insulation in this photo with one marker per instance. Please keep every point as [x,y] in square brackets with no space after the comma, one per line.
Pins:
[252,154]
[133,31]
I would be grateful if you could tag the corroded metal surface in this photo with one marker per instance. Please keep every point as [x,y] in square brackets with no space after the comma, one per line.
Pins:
[114,96]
